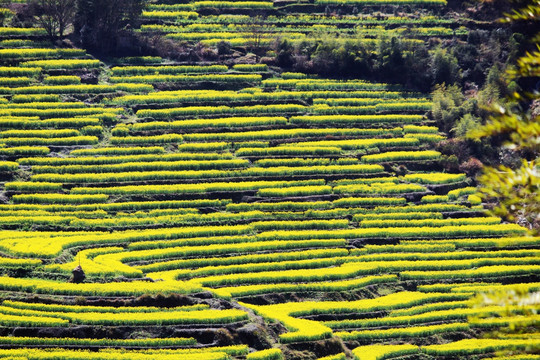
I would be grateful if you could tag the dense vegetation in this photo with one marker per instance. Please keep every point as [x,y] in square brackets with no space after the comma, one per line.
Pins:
[323,179]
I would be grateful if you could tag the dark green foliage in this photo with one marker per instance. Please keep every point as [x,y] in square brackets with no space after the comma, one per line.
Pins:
[100,22]
[467,123]
[444,67]
[55,16]
[449,105]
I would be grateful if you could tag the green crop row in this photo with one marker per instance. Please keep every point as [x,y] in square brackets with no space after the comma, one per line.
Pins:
[416,331]
[398,232]
[15,81]
[295,191]
[424,258]
[397,215]
[39,53]
[39,213]
[354,119]
[45,105]
[36,220]
[379,188]
[482,272]
[457,193]
[362,101]
[19,263]
[78,89]
[291,133]
[218,247]
[59,198]
[176,217]
[435,178]
[16,99]
[167,317]
[170,15]
[164,97]
[430,222]
[39,133]
[250,269]
[167,70]
[205,123]
[325,286]
[8,166]
[156,139]
[63,141]
[64,341]
[13,31]
[32,186]
[288,150]
[210,110]
[433,199]
[325,84]
[268,354]
[428,317]
[468,347]
[279,206]
[303,162]
[425,138]
[226,78]
[62,64]
[143,166]
[26,321]
[118,151]
[111,354]
[349,270]
[57,112]
[402,155]
[169,219]
[306,330]
[522,241]
[193,188]
[208,146]
[362,143]
[243,259]
[62,80]
[35,123]
[334,357]
[234,37]
[292,225]
[409,106]
[423,208]
[362,201]
[96,309]
[120,159]
[99,289]
[233,4]
[24,150]
[250,67]
[201,174]
[114,207]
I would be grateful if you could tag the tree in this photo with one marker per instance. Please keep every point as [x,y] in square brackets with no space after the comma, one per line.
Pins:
[55,16]
[390,60]
[518,310]
[5,13]
[256,29]
[444,67]
[466,124]
[516,123]
[449,105]
[100,22]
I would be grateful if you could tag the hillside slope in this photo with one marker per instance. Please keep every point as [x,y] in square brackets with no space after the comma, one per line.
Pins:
[229,209]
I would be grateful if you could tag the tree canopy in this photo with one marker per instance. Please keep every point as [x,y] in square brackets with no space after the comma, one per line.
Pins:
[516,122]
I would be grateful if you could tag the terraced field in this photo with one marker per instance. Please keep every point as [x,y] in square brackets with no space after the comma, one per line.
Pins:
[241,212]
